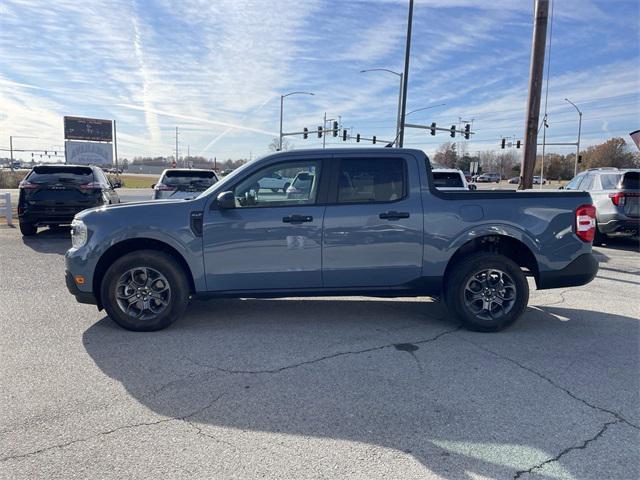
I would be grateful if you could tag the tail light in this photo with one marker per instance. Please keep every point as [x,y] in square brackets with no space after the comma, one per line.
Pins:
[586,222]
[91,186]
[163,188]
[618,199]
[25,185]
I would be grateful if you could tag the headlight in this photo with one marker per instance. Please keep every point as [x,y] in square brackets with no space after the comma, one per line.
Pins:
[78,233]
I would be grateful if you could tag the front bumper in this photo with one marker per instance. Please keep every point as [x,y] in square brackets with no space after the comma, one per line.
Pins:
[81,297]
[579,272]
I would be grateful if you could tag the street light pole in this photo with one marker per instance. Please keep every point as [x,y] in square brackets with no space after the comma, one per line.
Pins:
[401,76]
[575,166]
[281,113]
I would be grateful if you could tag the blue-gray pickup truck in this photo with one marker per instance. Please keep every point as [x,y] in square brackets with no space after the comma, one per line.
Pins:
[352,222]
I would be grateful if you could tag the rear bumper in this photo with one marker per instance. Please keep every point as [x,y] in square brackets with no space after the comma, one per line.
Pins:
[44,217]
[81,297]
[619,226]
[579,272]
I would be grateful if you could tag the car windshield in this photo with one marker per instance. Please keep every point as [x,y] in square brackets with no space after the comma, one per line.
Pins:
[447,179]
[189,178]
[609,181]
[60,174]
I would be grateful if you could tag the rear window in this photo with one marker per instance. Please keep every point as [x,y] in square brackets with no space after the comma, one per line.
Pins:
[364,180]
[630,181]
[447,179]
[609,181]
[58,174]
[189,177]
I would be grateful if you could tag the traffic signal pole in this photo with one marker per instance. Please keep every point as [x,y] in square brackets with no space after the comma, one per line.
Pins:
[535,93]
[405,76]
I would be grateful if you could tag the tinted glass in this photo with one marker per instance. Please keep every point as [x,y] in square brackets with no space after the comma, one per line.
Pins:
[630,181]
[588,183]
[609,181]
[301,179]
[447,179]
[189,178]
[367,180]
[57,174]
[573,184]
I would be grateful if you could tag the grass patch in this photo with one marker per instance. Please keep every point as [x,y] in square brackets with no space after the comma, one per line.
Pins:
[9,179]
[135,181]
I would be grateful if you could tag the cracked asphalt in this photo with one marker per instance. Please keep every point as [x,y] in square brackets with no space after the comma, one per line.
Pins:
[317,388]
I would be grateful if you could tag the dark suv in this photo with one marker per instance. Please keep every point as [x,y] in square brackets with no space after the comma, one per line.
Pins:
[616,196]
[53,194]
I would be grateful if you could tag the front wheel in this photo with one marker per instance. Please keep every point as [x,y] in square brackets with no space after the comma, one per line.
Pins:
[145,291]
[486,291]
[28,229]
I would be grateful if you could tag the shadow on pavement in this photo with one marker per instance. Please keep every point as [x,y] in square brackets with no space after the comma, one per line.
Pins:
[629,244]
[398,374]
[50,240]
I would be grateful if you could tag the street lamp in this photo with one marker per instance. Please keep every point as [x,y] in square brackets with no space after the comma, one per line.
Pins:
[398,121]
[11,137]
[425,108]
[281,110]
[575,167]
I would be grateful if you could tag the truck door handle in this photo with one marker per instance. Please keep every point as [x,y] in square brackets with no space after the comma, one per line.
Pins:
[297,219]
[393,215]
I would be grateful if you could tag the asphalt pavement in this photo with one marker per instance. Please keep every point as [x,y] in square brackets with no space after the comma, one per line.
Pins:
[317,388]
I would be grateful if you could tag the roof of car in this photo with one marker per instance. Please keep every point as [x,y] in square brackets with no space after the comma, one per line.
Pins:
[448,170]
[354,150]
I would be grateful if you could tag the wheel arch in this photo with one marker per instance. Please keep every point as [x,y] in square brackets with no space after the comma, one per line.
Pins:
[131,245]
[506,245]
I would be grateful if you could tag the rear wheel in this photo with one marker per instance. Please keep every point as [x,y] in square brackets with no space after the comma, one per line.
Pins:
[145,291]
[599,238]
[486,291]
[28,229]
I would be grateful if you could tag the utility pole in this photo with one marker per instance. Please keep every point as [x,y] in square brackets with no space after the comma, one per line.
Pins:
[405,76]
[115,145]
[575,166]
[535,92]
[11,149]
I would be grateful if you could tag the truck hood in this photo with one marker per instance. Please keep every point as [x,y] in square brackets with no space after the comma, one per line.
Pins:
[139,210]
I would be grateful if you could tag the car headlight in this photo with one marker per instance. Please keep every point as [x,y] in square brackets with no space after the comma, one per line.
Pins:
[78,233]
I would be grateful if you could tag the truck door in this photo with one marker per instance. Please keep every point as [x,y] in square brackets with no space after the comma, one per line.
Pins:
[272,239]
[373,227]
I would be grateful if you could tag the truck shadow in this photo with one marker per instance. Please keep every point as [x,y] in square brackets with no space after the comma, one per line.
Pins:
[398,374]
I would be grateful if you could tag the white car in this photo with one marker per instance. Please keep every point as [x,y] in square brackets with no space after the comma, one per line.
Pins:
[450,179]
[183,183]
[274,182]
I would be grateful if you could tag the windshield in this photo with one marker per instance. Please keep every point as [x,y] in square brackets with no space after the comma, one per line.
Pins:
[51,174]
[630,181]
[447,179]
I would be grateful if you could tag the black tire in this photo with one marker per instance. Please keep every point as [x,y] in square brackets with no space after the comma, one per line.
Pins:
[286,185]
[275,190]
[28,229]
[468,272]
[154,261]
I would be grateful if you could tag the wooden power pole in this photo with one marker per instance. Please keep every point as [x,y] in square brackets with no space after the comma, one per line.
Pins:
[535,93]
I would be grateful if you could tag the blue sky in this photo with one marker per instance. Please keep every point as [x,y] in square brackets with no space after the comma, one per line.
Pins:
[217,68]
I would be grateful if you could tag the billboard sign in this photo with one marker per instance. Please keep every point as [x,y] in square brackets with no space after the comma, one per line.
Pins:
[89,153]
[94,129]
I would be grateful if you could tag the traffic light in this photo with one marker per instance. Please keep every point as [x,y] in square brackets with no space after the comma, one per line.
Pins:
[335,129]
[518,144]
[45,152]
[319,132]
[467,131]
[358,137]
[433,128]
[305,133]
[453,131]
[504,142]
[579,158]
[344,135]
[374,139]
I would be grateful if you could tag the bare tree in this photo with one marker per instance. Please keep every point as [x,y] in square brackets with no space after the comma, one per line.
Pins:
[286,144]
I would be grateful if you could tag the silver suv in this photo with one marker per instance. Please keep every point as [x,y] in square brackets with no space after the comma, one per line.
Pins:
[616,196]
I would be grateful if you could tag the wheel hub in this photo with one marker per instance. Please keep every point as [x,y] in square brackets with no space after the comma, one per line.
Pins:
[143,293]
[490,294]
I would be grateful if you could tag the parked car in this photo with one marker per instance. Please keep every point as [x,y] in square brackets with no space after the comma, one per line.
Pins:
[183,183]
[536,180]
[488,178]
[450,179]
[514,180]
[372,224]
[51,195]
[275,182]
[616,197]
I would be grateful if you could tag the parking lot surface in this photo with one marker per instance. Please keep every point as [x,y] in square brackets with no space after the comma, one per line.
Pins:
[317,388]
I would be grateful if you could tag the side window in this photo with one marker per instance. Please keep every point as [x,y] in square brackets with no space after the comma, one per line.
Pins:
[573,184]
[300,185]
[100,176]
[364,180]
[587,183]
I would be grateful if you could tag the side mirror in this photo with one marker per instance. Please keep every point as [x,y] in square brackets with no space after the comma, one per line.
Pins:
[153,185]
[473,187]
[226,200]
[561,187]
